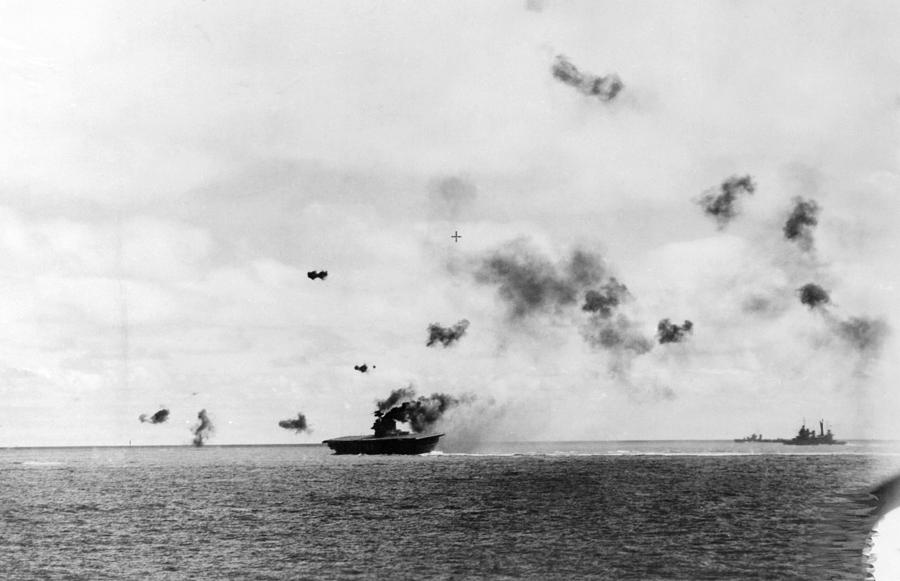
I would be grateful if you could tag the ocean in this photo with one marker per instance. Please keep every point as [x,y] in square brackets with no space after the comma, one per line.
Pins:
[570,510]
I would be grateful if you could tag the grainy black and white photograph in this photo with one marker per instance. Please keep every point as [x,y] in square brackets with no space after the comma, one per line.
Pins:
[505,289]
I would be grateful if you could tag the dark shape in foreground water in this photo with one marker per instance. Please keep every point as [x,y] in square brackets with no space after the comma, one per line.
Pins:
[886,496]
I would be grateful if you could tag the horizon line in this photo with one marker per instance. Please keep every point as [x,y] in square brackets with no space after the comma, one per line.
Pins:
[311,444]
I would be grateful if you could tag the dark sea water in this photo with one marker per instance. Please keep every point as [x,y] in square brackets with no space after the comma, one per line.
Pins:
[619,510]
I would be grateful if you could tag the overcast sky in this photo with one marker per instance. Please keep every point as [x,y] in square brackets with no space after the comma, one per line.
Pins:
[169,172]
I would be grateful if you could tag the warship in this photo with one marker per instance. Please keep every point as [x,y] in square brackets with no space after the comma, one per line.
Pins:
[397,443]
[807,437]
[758,438]
[387,439]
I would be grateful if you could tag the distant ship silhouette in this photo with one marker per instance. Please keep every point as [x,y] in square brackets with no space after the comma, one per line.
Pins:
[804,437]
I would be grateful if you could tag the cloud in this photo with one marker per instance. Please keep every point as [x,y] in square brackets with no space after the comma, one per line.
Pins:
[267,172]
[450,196]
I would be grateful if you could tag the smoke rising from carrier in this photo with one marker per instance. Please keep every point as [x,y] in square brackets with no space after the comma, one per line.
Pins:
[402,406]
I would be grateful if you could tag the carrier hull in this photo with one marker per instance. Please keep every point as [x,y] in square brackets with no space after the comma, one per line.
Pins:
[404,444]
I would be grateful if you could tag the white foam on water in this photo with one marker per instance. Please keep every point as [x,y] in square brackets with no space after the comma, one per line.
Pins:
[489,454]
[662,451]
[567,453]
[884,554]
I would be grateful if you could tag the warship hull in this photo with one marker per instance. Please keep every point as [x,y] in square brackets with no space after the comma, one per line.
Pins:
[814,443]
[807,437]
[402,444]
